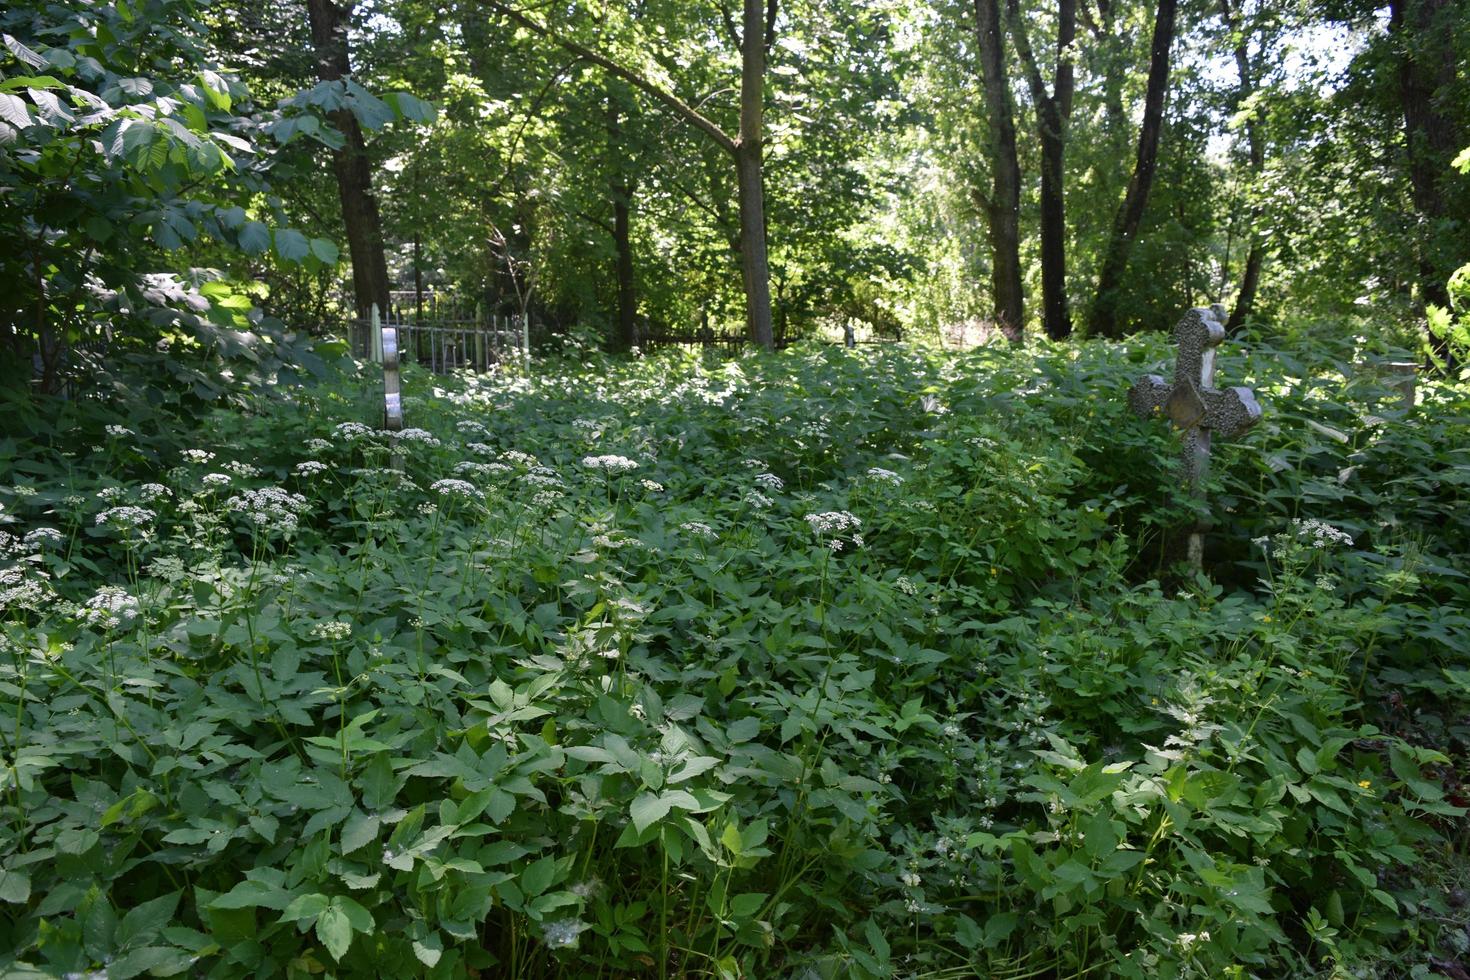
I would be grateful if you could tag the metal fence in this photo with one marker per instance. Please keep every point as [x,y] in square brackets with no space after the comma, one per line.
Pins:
[447,344]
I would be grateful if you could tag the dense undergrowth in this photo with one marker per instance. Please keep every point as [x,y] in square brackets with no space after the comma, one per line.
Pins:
[814,665]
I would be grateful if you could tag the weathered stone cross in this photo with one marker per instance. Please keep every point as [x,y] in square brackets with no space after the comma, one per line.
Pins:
[1195,405]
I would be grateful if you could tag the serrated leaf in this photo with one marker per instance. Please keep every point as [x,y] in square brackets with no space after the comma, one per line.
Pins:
[335,931]
[647,809]
[360,830]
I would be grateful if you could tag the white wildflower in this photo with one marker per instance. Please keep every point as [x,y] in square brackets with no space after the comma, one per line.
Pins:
[110,608]
[457,488]
[652,486]
[422,436]
[310,467]
[351,431]
[44,537]
[333,631]
[118,431]
[610,463]
[125,517]
[244,470]
[318,445]
[698,528]
[269,508]
[216,480]
[880,475]
[197,456]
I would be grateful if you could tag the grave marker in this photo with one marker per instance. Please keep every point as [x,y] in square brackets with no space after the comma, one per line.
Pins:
[1195,406]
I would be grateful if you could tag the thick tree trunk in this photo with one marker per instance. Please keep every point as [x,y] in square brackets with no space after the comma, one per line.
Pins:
[621,192]
[1104,319]
[1432,137]
[360,217]
[1053,114]
[1003,206]
[749,152]
[1250,277]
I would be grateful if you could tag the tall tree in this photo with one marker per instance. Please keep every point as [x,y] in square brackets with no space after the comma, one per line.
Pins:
[1427,35]
[621,193]
[353,169]
[1003,204]
[1250,277]
[745,148]
[1104,318]
[1053,115]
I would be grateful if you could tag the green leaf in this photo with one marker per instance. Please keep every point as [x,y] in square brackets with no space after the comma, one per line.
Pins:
[15,887]
[648,809]
[144,922]
[538,876]
[360,830]
[334,930]
[325,250]
[254,238]
[291,245]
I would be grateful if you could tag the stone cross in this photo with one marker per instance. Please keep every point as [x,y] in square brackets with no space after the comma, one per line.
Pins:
[1194,404]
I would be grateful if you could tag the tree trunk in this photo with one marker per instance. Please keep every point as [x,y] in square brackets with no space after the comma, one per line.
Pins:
[748,165]
[621,191]
[360,217]
[1251,276]
[1432,137]
[1003,206]
[1104,320]
[1053,114]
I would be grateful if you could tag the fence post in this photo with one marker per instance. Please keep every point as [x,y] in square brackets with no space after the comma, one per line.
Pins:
[526,340]
[375,334]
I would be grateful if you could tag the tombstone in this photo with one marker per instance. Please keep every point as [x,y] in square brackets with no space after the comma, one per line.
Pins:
[1195,406]
[849,337]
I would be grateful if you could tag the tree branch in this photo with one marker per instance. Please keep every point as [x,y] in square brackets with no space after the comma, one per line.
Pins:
[675,104]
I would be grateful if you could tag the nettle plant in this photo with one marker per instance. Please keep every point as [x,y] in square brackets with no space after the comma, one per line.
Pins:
[825,663]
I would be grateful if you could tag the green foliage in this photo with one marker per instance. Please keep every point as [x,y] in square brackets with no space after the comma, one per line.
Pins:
[864,668]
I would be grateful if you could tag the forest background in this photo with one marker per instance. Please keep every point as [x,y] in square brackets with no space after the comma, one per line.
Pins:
[941,169]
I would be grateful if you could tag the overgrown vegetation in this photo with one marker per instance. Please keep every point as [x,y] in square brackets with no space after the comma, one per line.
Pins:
[818,664]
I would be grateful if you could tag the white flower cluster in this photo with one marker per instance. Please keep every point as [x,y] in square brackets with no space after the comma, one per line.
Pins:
[109,493]
[880,475]
[469,427]
[333,631]
[318,445]
[472,468]
[698,528]
[770,481]
[270,508]
[118,431]
[150,492]
[833,522]
[1319,534]
[44,537]
[351,431]
[422,436]
[612,464]
[110,608]
[652,486]
[480,449]
[125,518]
[310,467]
[457,488]
[757,499]
[516,456]
[241,469]
[216,480]
[197,456]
